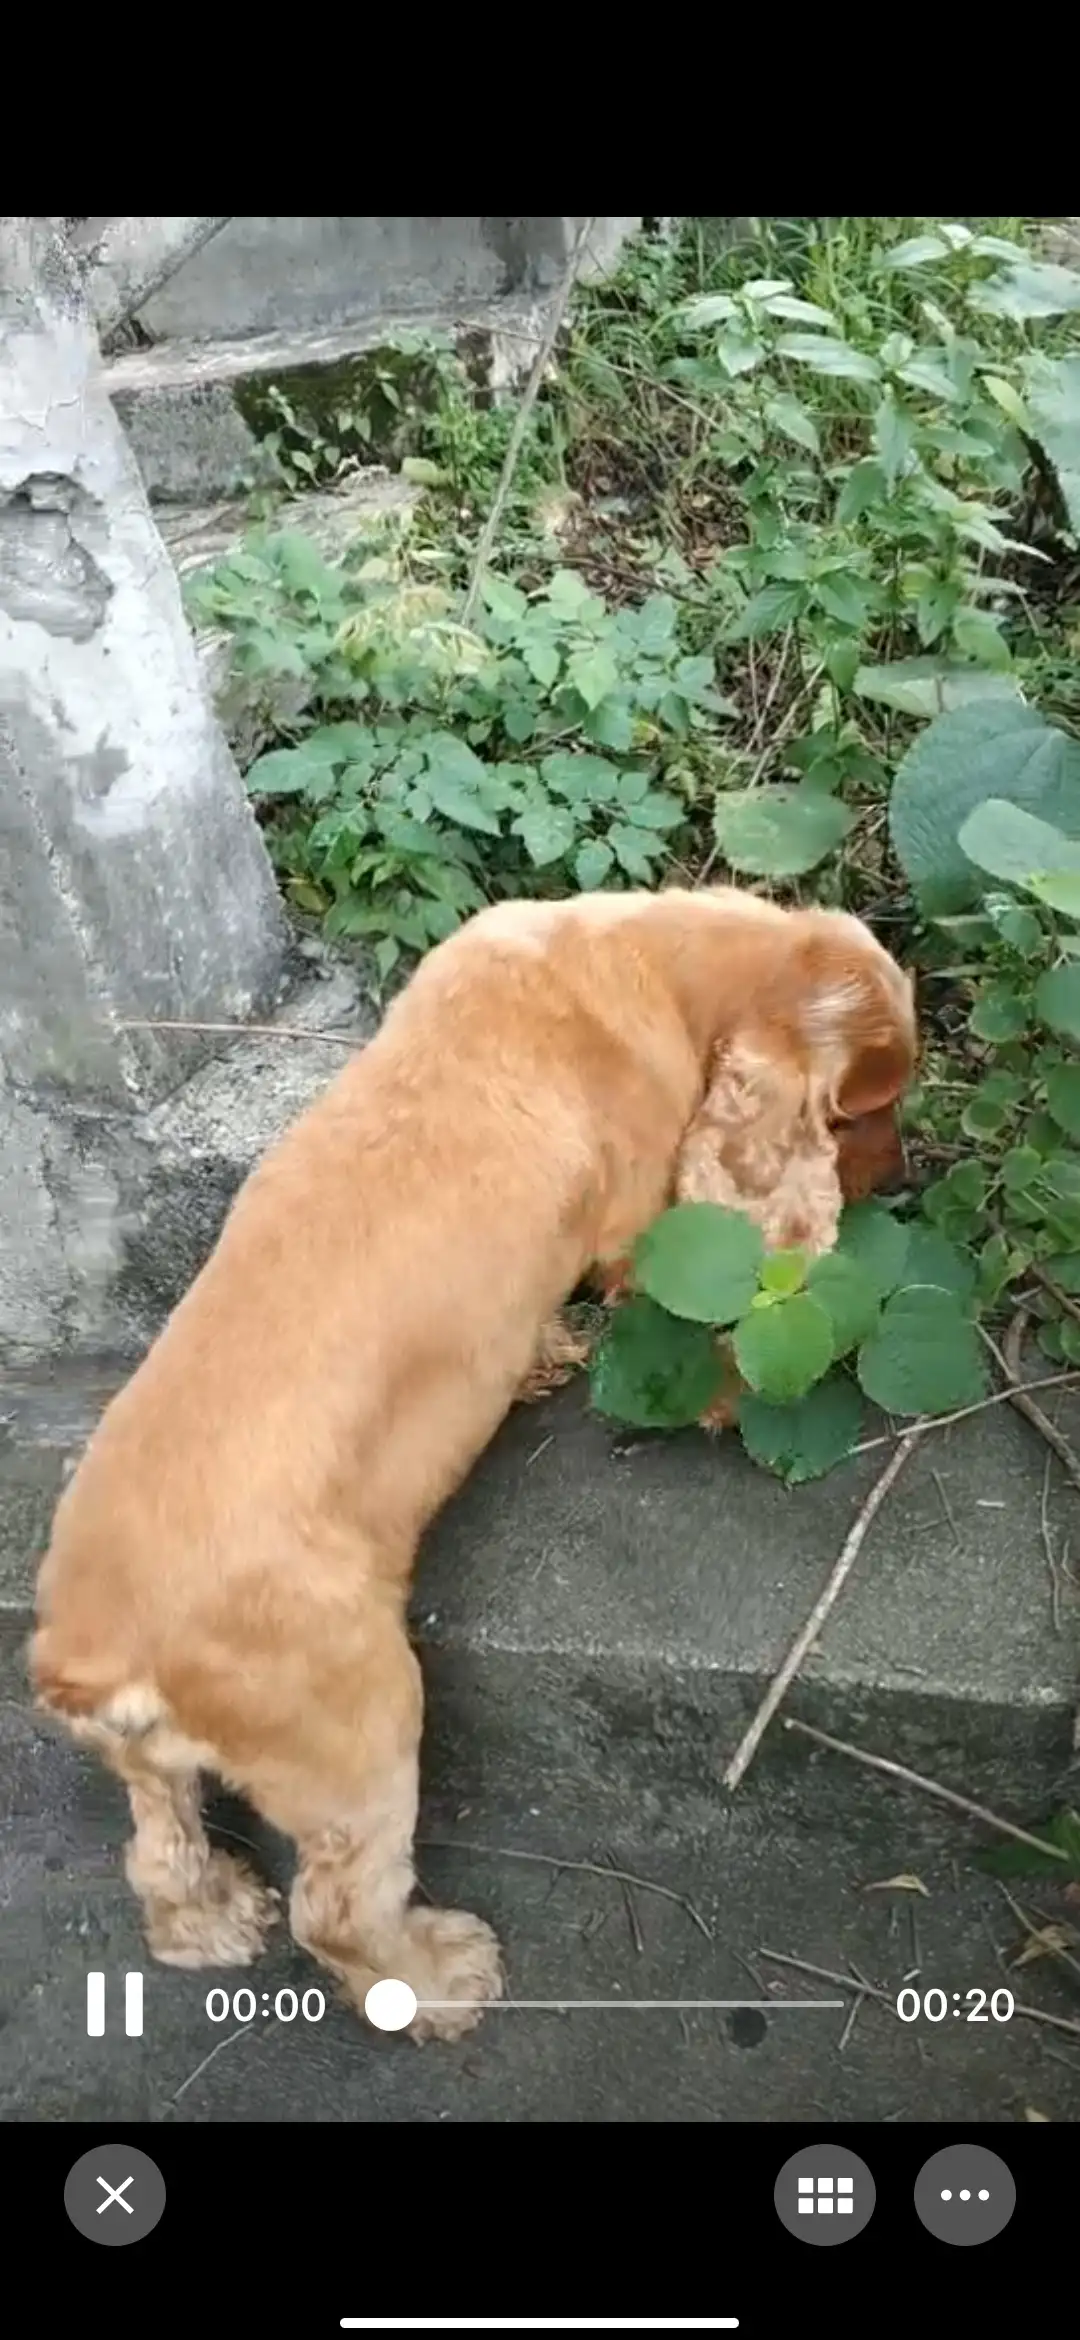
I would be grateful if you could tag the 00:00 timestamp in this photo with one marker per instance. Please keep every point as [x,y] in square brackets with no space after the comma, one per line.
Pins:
[935,2005]
[244,2006]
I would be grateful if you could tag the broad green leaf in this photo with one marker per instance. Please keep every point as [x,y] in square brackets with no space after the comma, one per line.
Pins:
[286,772]
[504,600]
[932,1259]
[894,435]
[995,1269]
[593,862]
[925,1357]
[700,1261]
[781,1351]
[1003,750]
[633,849]
[916,251]
[1057,1000]
[784,1272]
[1063,1098]
[1034,288]
[796,312]
[1063,1268]
[653,1370]
[977,635]
[1053,386]
[983,1118]
[827,356]
[778,831]
[1000,1014]
[1008,398]
[848,1292]
[454,779]
[581,779]
[931,686]
[593,673]
[1019,1167]
[547,832]
[876,1241]
[1014,845]
[793,421]
[806,1439]
[848,599]
[1059,889]
[767,612]
[542,656]
[1017,927]
[712,309]
[865,487]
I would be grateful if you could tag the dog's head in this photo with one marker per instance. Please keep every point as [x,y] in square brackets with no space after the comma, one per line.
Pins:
[801,1109]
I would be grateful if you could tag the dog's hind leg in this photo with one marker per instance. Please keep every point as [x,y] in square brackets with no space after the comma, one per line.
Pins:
[201,1906]
[347,1791]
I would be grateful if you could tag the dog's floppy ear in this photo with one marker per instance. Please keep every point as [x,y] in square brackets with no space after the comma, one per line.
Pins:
[759,1143]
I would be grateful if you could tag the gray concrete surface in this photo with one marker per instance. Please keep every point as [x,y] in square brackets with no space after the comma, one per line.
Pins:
[767,1877]
[264,275]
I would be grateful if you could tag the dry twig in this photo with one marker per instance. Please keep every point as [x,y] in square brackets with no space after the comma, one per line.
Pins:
[540,365]
[853,1543]
[930,1787]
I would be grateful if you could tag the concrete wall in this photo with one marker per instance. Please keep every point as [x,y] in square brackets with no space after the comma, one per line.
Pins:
[133,880]
[266,275]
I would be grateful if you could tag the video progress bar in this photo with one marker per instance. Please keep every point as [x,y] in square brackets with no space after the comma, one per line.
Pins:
[539,2323]
[631,2006]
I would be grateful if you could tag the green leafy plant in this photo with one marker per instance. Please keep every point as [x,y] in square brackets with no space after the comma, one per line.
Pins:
[891,1312]
[433,767]
[1061,1859]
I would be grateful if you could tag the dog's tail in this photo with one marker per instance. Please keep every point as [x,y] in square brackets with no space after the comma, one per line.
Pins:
[81,1693]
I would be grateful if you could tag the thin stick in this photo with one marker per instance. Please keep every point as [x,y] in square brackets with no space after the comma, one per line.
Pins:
[1025,1404]
[1046,1532]
[506,1852]
[847,1982]
[528,400]
[930,1787]
[1000,1397]
[245,1031]
[853,1543]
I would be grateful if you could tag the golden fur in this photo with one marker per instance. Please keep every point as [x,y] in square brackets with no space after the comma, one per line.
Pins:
[227,1580]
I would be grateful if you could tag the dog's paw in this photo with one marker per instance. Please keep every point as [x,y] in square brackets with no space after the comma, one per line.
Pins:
[561,1354]
[224,1924]
[451,1960]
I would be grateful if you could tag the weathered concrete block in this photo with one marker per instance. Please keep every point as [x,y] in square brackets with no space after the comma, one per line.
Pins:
[196,411]
[267,275]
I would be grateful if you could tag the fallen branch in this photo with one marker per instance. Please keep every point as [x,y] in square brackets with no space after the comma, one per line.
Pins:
[243,1031]
[1025,1403]
[1064,1300]
[853,1543]
[506,1852]
[132,259]
[529,396]
[930,1787]
[999,1397]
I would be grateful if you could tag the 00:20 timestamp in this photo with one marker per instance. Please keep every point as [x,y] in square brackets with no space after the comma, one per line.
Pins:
[972,2005]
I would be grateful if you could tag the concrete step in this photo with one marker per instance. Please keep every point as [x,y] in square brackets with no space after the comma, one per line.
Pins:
[196,411]
[607,1610]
